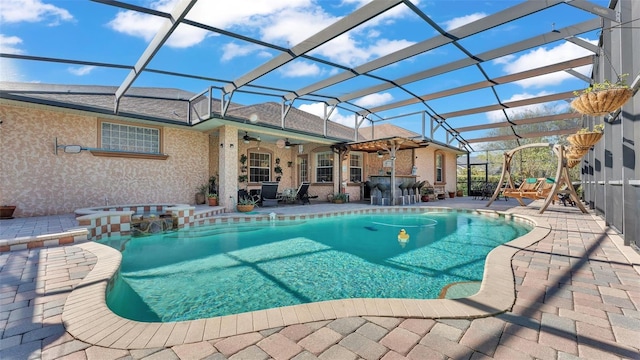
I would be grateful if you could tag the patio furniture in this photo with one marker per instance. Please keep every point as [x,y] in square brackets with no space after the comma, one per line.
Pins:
[373,186]
[384,189]
[416,192]
[403,191]
[269,194]
[303,193]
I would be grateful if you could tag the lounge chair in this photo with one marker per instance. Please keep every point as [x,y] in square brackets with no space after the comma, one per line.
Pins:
[303,193]
[269,194]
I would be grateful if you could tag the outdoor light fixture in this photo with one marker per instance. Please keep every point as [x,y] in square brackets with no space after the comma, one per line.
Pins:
[221,145]
[380,153]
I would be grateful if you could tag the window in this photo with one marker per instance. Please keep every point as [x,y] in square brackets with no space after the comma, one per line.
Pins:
[355,167]
[121,137]
[259,167]
[439,167]
[324,167]
[303,169]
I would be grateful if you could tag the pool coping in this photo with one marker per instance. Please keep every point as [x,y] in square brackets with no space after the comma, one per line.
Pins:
[87,317]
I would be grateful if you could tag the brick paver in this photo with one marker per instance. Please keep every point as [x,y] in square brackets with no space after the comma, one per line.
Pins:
[577,297]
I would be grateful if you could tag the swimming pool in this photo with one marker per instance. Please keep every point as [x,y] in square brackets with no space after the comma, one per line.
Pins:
[237,268]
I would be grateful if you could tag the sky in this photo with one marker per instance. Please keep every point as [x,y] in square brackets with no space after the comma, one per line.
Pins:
[91,31]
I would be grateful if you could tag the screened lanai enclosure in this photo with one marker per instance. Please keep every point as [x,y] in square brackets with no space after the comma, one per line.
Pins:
[481,83]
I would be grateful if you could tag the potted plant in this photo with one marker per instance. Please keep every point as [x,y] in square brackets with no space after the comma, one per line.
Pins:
[278,170]
[452,194]
[213,199]
[6,211]
[426,193]
[245,204]
[243,163]
[339,198]
[201,194]
[213,187]
[602,98]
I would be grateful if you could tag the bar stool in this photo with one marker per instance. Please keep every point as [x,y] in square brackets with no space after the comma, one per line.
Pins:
[416,192]
[420,185]
[383,189]
[410,197]
[403,188]
[372,188]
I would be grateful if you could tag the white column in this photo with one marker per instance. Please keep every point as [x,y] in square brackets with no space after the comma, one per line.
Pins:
[228,167]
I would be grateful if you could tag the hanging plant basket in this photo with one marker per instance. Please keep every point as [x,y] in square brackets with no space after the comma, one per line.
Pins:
[576,152]
[585,140]
[601,102]
[571,163]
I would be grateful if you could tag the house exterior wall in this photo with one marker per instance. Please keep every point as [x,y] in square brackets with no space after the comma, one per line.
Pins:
[39,182]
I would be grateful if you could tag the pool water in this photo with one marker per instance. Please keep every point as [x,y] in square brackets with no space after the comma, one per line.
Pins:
[227,269]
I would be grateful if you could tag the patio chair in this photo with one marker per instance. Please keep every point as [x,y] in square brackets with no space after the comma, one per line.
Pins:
[528,189]
[303,193]
[269,194]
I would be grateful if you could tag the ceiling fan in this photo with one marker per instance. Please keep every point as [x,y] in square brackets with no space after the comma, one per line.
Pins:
[288,144]
[246,138]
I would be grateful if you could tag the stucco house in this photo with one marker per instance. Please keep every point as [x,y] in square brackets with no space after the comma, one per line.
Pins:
[162,145]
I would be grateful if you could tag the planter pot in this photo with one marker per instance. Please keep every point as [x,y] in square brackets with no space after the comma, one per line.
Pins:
[213,201]
[601,102]
[424,198]
[6,211]
[340,201]
[459,193]
[452,194]
[244,208]
[200,199]
[584,140]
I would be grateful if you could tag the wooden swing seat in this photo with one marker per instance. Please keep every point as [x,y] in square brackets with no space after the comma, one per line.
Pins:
[531,188]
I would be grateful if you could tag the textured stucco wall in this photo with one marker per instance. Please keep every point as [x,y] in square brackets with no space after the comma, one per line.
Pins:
[41,183]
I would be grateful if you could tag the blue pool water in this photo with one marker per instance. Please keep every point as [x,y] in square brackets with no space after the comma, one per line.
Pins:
[226,269]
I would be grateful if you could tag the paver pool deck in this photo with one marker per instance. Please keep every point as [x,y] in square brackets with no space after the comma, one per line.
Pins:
[577,295]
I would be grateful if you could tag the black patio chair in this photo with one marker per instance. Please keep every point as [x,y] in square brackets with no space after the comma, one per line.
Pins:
[269,194]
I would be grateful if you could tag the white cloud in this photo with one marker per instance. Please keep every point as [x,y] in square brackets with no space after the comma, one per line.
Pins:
[374,100]
[463,20]
[270,21]
[318,110]
[543,56]
[14,11]
[233,50]
[145,26]
[81,70]
[8,44]
[554,107]
[299,69]
[9,68]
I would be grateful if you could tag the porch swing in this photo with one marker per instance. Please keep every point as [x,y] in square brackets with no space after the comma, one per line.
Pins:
[545,188]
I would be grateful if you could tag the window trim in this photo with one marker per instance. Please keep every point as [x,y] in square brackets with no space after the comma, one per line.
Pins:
[361,167]
[442,168]
[255,150]
[129,154]
[316,166]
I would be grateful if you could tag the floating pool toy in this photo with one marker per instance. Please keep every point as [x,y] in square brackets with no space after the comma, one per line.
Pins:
[403,237]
